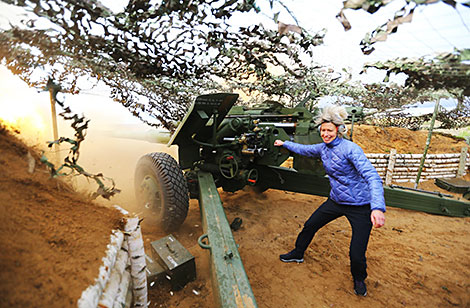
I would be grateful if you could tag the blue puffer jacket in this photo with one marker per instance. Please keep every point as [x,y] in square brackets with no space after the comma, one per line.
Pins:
[353,179]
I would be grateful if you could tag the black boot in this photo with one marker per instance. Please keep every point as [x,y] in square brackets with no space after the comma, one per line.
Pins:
[360,287]
[292,256]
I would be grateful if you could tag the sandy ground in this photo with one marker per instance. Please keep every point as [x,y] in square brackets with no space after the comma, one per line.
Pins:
[53,242]
[52,238]
[416,260]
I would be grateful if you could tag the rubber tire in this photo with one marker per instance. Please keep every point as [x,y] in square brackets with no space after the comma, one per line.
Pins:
[166,172]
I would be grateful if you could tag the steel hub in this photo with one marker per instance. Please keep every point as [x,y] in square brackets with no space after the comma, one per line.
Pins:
[151,193]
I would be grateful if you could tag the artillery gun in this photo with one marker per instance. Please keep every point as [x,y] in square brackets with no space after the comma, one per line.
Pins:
[221,145]
[232,143]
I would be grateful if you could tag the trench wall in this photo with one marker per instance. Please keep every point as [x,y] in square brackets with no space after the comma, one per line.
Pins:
[398,167]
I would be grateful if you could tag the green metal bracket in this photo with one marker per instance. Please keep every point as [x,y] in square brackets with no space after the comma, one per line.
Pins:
[201,243]
[230,282]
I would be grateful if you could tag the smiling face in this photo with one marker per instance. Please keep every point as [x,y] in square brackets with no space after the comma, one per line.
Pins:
[328,132]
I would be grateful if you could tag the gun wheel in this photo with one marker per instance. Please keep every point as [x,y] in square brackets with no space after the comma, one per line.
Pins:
[161,190]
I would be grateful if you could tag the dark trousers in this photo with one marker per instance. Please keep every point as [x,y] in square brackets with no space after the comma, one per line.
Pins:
[359,219]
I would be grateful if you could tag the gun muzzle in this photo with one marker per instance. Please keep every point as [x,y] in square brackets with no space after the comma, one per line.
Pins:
[161,136]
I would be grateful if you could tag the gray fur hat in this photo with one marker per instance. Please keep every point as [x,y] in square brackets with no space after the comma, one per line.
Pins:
[334,114]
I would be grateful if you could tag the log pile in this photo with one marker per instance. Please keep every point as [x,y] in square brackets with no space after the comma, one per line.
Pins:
[398,167]
[122,278]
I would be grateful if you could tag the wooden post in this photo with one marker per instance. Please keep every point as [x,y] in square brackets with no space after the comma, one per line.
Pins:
[352,126]
[55,132]
[462,162]
[391,165]
[428,142]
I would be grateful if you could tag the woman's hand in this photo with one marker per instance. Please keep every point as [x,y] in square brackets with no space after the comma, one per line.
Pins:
[278,143]
[378,218]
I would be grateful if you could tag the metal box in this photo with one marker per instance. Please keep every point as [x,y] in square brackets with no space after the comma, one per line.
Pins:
[176,260]
[155,272]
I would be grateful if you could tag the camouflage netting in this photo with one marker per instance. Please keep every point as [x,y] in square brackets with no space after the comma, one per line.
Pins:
[155,57]
[69,166]
[446,75]
[404,15]
[446,119]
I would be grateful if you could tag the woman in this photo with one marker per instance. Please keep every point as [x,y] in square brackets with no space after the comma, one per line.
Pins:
[356,192]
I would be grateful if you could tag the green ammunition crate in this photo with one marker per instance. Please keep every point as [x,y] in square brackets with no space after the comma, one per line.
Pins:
[155,272]
[178,263]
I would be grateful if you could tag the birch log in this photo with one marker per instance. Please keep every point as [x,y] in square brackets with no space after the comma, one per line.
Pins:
[120,301]
[462,162]
[414,156]
[138,265]
[92,294]
[111,290]
[391,165]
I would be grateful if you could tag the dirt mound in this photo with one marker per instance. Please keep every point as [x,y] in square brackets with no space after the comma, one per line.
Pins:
[52,238]
[375,139]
